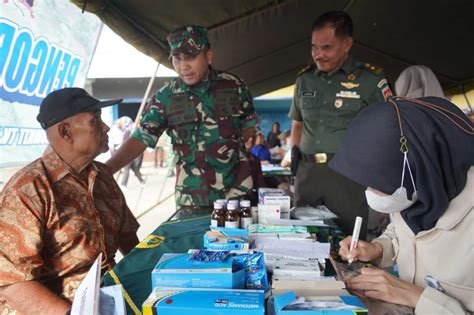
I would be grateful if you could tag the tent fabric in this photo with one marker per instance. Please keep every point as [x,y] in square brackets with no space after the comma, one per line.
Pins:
[266,42]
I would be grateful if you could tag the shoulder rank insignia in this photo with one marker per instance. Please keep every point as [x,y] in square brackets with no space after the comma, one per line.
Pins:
[349,85]
[371,68]
[305,69]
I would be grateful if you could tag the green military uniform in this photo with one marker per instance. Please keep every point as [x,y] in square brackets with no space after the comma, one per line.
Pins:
[205,123]
[326,103]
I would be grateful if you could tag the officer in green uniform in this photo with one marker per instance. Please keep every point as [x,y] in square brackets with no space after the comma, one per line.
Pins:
[328,95]
[208,114]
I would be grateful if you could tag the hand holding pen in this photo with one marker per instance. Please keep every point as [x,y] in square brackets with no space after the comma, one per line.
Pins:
[355,237]
[352,249]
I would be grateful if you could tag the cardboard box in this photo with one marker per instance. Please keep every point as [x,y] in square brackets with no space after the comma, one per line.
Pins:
[309,288]
[296,269]
[235,240]
[274,196]
[176,270]
[327,305]
[266,212]
[180,301]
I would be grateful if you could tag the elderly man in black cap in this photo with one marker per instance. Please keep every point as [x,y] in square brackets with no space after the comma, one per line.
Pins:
[61,211]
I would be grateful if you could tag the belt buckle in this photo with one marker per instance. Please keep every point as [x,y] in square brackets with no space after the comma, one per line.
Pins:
[320,158]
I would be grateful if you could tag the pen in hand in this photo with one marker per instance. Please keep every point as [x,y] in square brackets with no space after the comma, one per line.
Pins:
[355,236]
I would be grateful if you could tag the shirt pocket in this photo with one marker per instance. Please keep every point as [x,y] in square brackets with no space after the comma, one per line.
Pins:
[461,293]
[182,118]
[344,113]
[228,111]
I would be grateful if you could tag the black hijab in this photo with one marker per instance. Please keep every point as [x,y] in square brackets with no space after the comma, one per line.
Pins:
[440,154]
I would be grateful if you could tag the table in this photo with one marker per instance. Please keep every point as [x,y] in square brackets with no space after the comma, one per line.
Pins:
[133,272]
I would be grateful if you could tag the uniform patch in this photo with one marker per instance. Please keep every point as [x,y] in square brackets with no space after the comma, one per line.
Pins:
[309,94]
[386,92]
[348,94]
[382,83]
[351,77]
[338,103]
[151,241]
[349,85]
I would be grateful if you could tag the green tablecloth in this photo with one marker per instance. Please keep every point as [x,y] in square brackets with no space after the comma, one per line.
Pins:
[134,270]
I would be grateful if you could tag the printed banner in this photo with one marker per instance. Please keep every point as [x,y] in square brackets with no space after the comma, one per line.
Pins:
[44,46]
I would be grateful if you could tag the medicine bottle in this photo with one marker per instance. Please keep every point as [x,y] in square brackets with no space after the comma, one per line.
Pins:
[232,217]
[218,215]
[245,214]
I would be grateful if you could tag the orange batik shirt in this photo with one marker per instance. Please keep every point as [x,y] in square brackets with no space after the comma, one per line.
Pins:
[53,225]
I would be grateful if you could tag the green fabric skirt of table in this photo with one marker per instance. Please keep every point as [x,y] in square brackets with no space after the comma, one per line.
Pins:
[133,272]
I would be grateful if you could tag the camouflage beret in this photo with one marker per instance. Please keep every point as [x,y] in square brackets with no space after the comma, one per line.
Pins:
[188,40]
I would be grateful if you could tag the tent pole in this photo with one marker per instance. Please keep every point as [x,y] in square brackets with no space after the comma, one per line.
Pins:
[145,97]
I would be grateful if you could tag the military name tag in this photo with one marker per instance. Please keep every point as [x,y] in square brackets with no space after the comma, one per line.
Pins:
[309,94]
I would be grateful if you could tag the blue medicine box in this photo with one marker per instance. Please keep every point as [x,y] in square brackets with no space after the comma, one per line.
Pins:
[219,238]
[176,270]
[328,305]
[182,301]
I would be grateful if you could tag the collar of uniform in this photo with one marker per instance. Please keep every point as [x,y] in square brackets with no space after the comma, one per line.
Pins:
[347,67]
[56,168]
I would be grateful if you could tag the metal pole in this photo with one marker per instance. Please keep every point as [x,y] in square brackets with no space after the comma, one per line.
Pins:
[145,97]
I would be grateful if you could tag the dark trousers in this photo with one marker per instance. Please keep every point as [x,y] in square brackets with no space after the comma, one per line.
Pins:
[135,166]
[317,184]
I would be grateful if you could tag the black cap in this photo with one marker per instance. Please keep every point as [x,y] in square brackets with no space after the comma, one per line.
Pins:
[67,102]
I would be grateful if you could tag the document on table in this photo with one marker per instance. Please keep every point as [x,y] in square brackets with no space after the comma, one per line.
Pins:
[291,248]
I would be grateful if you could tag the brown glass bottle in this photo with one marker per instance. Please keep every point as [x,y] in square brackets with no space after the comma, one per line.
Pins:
[218,215]
[232,217]
[245,214]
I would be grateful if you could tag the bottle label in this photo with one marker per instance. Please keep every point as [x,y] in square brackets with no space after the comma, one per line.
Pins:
[213,222]
[245,222]
[229,224]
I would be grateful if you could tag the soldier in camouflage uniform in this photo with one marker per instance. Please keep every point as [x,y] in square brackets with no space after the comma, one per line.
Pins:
[328,95]
[208,114]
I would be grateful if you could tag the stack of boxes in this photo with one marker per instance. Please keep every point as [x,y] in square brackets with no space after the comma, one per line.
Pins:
[182,285]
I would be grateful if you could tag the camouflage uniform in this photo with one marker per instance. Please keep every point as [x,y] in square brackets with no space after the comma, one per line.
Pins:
[205,123]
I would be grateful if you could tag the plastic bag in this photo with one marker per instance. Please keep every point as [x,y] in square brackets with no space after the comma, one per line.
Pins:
[311,213]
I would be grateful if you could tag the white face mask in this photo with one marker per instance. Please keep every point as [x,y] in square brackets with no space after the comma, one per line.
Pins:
[396,202]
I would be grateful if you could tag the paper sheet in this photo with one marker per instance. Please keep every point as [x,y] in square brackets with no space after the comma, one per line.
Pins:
[291,248]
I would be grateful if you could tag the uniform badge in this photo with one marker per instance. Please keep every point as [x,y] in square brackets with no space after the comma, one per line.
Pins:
[338,102]
[382,83]
[351,77]
[349,85]
[309,94]
[386,92]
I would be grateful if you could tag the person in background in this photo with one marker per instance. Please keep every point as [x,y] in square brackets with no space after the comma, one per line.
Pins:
[115,136]
[286,145]
[260,150]
[282,154]
[418,81]
[61,211]
[126,124]
[272,137]
[208,114]
[416,158]
[328,95]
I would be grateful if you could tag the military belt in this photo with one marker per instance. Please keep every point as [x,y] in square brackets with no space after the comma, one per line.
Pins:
[318,158]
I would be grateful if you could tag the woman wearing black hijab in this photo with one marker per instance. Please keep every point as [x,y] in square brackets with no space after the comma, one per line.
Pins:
[417,159]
